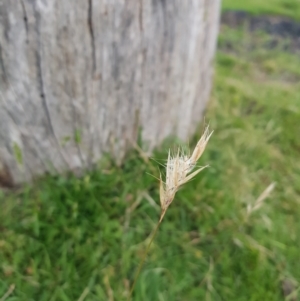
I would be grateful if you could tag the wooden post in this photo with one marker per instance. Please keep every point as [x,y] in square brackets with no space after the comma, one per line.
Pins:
[80,77]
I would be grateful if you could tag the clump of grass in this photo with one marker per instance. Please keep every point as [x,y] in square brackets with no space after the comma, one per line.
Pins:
[179,169]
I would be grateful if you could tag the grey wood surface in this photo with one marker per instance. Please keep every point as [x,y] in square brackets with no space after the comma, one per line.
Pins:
[79,78]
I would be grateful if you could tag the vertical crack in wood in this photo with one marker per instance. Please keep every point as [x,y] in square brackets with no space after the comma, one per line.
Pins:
[91,30]
[92,126]
[42,89]
[25,18]
[2,66]
[141,16]
[100,104]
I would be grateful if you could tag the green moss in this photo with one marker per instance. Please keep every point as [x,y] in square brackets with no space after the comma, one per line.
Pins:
[77,136]
[18,154]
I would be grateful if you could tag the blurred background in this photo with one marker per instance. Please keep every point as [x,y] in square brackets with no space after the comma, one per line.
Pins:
[68,238]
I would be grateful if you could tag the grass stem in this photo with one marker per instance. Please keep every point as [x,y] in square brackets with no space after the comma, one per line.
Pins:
[143,260]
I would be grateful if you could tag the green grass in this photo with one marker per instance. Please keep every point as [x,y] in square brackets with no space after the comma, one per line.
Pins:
[66,237]
[289,8]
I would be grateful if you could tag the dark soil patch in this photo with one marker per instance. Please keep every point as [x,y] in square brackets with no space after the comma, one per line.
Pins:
[276,26]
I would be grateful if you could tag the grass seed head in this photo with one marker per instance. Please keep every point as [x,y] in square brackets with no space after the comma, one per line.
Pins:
[178,171]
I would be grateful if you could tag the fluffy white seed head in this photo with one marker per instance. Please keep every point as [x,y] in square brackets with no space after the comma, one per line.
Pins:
[178,171]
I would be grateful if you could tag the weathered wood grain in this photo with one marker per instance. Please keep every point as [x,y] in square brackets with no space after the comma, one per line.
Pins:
[79,77]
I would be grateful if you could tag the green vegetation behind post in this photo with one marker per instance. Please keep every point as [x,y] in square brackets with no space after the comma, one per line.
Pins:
[70,239]
[288,8]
